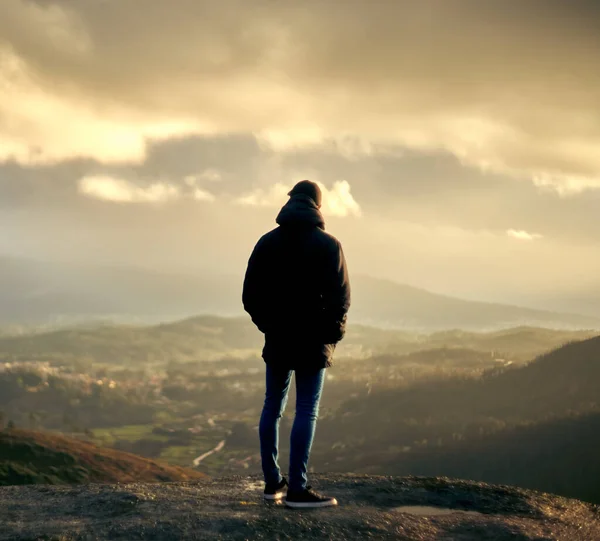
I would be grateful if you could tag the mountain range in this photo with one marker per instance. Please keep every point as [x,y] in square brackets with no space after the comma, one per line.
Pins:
[41,293]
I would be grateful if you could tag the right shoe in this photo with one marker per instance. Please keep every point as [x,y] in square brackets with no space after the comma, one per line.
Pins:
[308,498]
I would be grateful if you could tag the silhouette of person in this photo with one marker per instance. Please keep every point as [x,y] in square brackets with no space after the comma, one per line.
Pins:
[297,291]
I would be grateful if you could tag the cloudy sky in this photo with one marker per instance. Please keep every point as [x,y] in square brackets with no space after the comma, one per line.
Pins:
[457,142]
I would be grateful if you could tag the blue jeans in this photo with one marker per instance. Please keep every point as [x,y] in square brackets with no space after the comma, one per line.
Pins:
[309,385]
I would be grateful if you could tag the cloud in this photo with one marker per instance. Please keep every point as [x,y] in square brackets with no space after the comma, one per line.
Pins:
[520,234]
[274,196]
[117,190]
[202,195]
[566,185]
[40,127]
[503,86]
[198,193]
[123,191]
[337,201]
[210,175]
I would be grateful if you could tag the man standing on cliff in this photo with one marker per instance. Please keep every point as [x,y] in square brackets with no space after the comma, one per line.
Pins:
[297,292]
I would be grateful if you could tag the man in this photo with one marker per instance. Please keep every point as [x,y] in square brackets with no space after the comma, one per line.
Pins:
[297,292]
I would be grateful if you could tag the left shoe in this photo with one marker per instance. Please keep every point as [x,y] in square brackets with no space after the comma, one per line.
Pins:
[276,492]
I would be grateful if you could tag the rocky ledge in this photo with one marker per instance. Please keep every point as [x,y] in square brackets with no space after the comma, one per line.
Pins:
[415,509]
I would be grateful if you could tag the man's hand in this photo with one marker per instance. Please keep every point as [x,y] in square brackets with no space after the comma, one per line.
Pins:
[334,331]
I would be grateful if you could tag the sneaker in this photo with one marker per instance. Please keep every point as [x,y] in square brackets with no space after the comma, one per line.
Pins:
[275,492]
[308,498]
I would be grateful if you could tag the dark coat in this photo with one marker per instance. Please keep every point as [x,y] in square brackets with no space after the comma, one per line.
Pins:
[296,288]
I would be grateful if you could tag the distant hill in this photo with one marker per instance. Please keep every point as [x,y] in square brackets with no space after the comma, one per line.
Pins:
[37,293]
[559,456]
[28,457]
[524,342]
[213,337]
[535,425]
[558,384]
[382,302]
[554,384]
[198,338]
[41,292]
[567,376]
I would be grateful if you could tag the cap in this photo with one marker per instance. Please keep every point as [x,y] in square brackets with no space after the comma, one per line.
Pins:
[311,189]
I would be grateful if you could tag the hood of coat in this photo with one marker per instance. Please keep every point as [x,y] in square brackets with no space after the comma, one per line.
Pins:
[300,210]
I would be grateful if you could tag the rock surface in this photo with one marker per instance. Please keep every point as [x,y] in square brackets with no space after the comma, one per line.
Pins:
[232,508]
